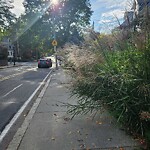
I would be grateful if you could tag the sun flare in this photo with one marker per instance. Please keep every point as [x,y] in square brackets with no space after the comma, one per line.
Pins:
[54,2]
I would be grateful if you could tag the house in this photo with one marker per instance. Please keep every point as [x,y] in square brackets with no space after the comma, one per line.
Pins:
[139,5]
[128,19]
[3,56]
[136,11]
[10,47]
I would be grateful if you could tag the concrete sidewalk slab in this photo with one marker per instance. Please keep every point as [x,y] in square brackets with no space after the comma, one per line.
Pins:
[52,129]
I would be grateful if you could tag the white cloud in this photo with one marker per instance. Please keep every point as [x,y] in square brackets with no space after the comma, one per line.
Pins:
[106,12]
[105,21]
[114,13]
[117,3]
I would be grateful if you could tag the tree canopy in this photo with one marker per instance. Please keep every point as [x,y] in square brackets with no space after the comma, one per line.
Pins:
[36,27]
[6,16]
[65,18]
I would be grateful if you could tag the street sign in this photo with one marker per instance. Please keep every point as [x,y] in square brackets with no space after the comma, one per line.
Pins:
[54,43]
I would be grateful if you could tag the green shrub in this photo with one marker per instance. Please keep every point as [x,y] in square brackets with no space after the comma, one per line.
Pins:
[121,84]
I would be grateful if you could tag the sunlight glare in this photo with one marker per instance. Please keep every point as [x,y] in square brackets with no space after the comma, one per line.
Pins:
[54,2]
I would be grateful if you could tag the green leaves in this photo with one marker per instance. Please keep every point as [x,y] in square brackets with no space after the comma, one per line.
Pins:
[6,16]
[36,28]
[66,17]
[121,84]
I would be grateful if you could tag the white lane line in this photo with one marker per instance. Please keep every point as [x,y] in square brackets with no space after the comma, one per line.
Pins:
[14,75]
[12,90]
[18,114]
[14,144]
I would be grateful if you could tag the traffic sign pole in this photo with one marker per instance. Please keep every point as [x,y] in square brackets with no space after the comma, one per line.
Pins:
[54,43]
[55,50]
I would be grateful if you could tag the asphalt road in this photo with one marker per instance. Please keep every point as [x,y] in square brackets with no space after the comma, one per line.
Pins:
[16,85]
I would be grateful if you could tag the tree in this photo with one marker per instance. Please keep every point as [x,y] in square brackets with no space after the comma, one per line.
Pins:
[35,29]
[65,18]
[6,16]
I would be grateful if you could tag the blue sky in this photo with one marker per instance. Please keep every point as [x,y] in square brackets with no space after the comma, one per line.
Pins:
[106,11]
[104,15]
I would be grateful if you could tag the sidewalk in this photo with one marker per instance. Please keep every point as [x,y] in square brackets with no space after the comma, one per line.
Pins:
[10,65]
[50,128]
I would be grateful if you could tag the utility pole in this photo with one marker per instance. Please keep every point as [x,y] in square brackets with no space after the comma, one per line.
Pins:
[54,43]
[55,49]
[93,25]
[17,43]
[14,55]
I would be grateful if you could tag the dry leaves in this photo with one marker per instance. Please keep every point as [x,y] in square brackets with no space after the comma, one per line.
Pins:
[53,138]
[98,122]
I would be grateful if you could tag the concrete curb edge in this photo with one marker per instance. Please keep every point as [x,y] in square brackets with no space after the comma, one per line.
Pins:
[14,144]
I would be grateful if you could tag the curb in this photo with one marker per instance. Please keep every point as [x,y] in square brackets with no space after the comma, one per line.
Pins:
[14,144]
[25,108]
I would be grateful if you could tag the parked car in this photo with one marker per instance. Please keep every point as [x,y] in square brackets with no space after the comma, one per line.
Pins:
[44,63]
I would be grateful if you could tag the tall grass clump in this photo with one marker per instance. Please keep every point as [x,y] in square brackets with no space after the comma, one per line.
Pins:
[120,83]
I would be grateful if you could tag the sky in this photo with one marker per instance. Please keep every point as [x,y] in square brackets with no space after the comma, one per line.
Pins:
[105,12]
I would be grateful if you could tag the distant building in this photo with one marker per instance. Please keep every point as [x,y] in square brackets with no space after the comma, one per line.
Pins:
[128,19]
[138,5]
[134,13]
[3,55]
[10,47]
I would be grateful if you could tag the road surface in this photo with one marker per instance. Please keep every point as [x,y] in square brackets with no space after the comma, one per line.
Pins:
[16,86]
